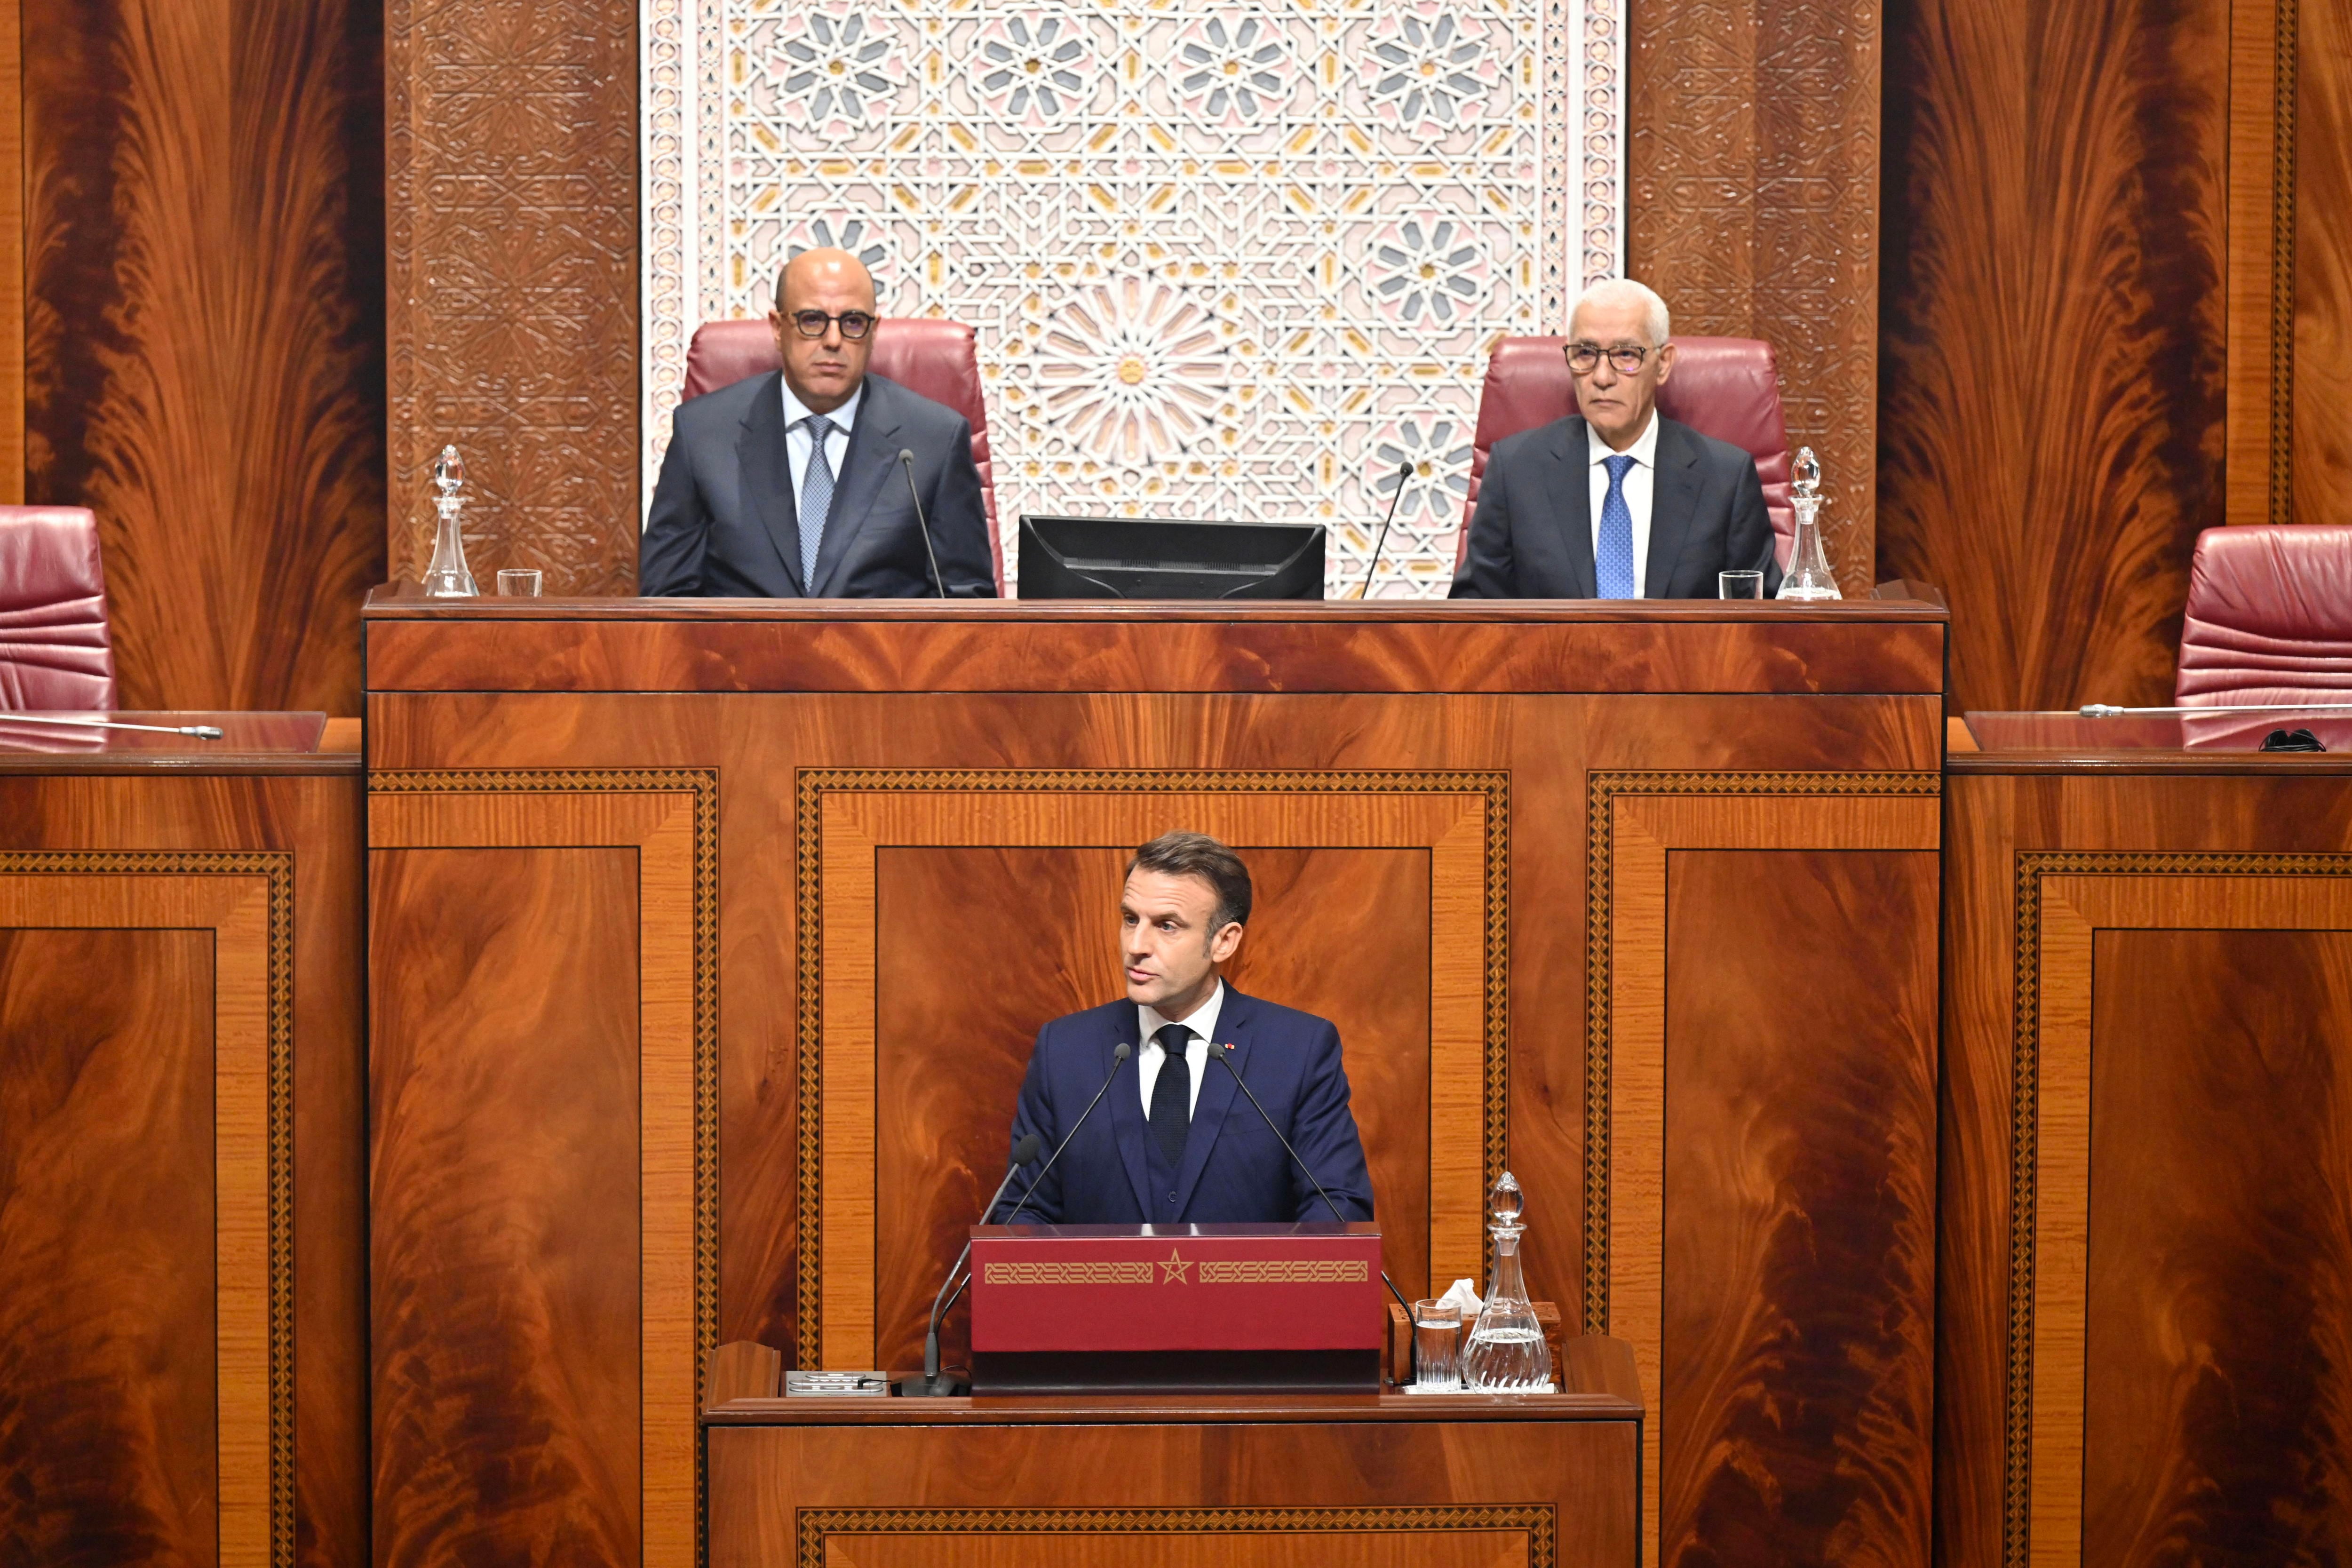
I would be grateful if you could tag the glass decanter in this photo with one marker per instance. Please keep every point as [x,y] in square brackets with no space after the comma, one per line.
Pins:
[1809,575]
[448,578]
[1505,1353]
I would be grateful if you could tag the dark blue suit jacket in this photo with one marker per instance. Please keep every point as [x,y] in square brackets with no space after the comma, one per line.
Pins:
[1233,1169]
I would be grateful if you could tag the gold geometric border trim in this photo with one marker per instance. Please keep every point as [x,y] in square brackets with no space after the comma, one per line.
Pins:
[2024,1115]
[2283,156]
[1603,791]
[278,867]
[702,783]
[815,784]
[1538,1521]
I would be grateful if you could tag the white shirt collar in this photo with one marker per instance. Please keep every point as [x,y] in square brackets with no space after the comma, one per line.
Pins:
[1643,451]
[845,419]
[1202,1021]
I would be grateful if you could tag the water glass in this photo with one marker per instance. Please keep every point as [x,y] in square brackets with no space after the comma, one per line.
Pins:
[1739,585]
[1437,1346]
[518,582]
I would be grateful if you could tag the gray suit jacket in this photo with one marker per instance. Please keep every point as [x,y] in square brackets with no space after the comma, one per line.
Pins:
[724,524]
[1531,536]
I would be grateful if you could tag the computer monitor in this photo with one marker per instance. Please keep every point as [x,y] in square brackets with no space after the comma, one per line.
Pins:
[1163,558]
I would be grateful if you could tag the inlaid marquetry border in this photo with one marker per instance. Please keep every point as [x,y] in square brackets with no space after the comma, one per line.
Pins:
[276,867]
[814,785]
[1541,1521]
[1604,790]
[2283,154]
[702,785]
[2033,866]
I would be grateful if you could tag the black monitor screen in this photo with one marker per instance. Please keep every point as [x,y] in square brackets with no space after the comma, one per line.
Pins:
[1163,558]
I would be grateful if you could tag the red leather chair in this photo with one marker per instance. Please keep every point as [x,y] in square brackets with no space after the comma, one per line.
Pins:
[54,649]
[1725,387]
[2269,617]
[938,360]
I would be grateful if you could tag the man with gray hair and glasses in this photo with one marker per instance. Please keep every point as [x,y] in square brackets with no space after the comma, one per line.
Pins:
[1616,502]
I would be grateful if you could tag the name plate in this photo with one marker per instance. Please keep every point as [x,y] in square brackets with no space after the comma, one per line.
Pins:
[1172,1289]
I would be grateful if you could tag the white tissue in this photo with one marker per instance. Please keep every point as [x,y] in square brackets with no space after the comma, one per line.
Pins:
[1465,1295]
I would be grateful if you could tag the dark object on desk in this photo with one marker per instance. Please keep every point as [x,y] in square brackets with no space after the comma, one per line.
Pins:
[2291,741]
[1156,558]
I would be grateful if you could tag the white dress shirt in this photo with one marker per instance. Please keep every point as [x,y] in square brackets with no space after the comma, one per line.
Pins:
[1204,1025]
[797,442]
[1641,483]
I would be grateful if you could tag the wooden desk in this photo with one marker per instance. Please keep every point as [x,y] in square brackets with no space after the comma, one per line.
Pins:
[672,901]
[183,1289]
[1408,1480]
[2146,1195]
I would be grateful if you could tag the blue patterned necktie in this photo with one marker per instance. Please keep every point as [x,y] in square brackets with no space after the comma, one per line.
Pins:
[1612,562]
[816,497]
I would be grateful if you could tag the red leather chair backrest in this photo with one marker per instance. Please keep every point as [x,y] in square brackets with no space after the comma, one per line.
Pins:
[54,649]
[2270,616]
[1725,387]
[937,360]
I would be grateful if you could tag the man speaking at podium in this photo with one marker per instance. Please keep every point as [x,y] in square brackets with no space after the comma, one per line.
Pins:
[1616,502]
[789,485]
[1175,1138]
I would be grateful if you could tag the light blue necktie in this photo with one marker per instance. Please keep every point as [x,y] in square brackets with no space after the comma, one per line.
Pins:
[816,497]
[1612,562]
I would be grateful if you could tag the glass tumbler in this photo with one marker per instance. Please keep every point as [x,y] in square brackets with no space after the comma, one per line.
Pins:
[1436,1346]
[1739,585]
[518,582]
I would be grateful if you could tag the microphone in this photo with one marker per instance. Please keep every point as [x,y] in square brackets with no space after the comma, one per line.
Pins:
[1022,1152]
[1120,1053]
[1404,472]
[907,462]
[1217,1054]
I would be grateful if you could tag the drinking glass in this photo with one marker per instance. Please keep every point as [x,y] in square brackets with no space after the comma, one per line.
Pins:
[1739,585]
[518,582]
[1436,1346]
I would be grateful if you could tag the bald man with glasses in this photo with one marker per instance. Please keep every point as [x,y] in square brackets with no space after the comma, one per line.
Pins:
[1616,502]
[788,485]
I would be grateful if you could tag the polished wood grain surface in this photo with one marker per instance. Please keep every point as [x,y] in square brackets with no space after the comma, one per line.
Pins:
[107,1424]
[2215,1389]
[260,873]
[1342,1492]
[2145,1013]
[2053,345]
[1337,648]
[940,1057]
[12,255]
[2321,263]
[204,350]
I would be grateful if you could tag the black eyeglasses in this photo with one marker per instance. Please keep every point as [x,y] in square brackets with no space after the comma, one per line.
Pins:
[1585,358]
[854,324]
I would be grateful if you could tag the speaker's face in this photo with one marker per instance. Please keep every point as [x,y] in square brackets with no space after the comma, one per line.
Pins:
[1169,946]
[823,369]
[1605,335]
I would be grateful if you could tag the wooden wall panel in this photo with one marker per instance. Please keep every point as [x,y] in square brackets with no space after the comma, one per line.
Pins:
[1752,163]
[506,1278]
[1042,927]
[2050,391]
[203,352]
[107,1382]
[2142,1231]
[2322,261]
[12,255]
[120,862]
[511,293]
[2216,1379]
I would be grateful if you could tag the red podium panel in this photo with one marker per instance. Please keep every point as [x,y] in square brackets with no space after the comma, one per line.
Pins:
[1198,1307]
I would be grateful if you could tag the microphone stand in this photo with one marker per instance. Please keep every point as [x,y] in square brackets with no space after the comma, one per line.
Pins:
[1404,472]
[932,1383]
[907,463]
[1217,1054]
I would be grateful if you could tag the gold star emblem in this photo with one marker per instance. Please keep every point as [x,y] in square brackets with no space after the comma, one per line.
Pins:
[1173,1270]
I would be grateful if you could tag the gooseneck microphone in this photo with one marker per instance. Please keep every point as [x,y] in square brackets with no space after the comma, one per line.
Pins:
[930,1382]
[1120,1053]
[1217,1054]
[922,520]
[1404,472]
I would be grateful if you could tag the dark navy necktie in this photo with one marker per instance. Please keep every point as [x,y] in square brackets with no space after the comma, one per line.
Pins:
[1612,562]
[1172,1094]
[816,497]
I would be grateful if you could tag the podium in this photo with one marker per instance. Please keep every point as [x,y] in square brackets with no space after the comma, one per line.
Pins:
[661,889]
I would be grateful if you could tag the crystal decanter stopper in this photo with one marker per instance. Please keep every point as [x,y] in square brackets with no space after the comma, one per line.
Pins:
[1809,575]
[1505,1353]
[448,578]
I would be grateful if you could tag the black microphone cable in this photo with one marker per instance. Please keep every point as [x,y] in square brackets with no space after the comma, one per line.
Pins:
[907,462]
[1404,472]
